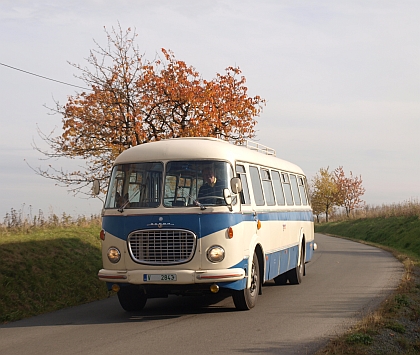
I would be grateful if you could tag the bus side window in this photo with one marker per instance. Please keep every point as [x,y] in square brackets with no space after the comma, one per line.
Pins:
[295,189]
[245,199]
[256,186]
[278,188]
[287,188]
[302,189]
[268,187]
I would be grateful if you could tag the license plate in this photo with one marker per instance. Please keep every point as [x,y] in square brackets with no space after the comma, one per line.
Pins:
[159,277]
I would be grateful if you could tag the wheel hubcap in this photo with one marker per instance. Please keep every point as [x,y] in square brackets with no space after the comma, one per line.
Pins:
[254,279]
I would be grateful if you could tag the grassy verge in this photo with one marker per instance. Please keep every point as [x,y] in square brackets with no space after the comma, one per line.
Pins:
[46,269]
[395,327]
[401,233]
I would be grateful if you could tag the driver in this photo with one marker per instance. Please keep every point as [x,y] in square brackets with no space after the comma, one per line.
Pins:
[211,187]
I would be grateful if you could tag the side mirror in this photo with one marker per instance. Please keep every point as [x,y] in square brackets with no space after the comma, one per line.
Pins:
[96,188]
[236,185]
[228,198]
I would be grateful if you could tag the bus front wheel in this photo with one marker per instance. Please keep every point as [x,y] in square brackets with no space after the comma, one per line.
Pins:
[247,298]
[132,298]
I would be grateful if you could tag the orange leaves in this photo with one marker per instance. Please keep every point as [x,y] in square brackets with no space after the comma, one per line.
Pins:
[134,101]
[178,102]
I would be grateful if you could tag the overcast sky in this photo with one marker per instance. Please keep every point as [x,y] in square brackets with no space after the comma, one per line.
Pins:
[341,80]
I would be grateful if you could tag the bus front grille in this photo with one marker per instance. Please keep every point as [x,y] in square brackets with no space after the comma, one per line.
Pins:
[162,247]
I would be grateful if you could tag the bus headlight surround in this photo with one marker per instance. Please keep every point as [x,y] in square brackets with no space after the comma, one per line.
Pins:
[215,254]
[114,255]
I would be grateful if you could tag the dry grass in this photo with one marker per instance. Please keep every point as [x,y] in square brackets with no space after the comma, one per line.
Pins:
[403,209]
[18,220]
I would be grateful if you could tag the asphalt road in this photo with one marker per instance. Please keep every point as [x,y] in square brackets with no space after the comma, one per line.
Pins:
[343,282]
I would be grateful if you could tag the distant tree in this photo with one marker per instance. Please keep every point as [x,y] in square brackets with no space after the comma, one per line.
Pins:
[132,101]
[350,190]
[324,192]
[316,204]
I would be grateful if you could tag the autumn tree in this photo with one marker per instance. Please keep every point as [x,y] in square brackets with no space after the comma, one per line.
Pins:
[324,192]
[316,203]
[350,190]
[130,100]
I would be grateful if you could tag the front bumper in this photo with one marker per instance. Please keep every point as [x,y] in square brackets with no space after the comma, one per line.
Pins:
[183,277]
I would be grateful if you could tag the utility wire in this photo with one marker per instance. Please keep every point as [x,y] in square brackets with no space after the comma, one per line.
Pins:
[43,77]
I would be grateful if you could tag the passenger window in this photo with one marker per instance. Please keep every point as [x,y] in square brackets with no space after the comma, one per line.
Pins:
[302,189]
[295,189]
[268,187]
[287,188]
[245,199]
[256,186]
[278,189]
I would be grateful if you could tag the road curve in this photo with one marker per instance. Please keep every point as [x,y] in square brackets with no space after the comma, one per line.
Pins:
[343,281]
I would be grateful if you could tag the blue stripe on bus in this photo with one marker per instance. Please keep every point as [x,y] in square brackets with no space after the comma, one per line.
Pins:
[200,224]
[284,260]
[281,261]
[277,263]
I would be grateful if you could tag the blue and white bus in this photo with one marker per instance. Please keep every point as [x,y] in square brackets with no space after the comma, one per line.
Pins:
[254,222]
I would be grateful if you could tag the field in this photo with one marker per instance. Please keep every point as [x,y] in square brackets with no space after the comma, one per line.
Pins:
[48,266]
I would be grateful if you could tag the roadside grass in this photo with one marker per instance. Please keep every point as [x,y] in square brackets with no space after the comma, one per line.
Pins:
[394,328]
[401,233]
[47,268]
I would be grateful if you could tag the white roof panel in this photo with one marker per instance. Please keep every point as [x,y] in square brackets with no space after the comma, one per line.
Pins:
[201,148]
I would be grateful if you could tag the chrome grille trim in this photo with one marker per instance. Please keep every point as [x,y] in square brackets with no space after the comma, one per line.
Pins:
[162,246]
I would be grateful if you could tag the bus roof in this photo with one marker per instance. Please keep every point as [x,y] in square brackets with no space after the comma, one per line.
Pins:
[198,148]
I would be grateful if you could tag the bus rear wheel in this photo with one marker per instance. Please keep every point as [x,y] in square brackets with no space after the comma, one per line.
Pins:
[295,275]
[247,298]
[132,298]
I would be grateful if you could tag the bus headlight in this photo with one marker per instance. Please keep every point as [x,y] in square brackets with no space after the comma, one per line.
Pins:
[215,253]
[114,255]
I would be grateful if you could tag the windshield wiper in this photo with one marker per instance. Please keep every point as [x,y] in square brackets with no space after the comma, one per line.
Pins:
[202,207]
[121,209]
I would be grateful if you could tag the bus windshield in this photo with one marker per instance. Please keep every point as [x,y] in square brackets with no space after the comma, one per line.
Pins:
[135,185]
[186,184]
[199,182]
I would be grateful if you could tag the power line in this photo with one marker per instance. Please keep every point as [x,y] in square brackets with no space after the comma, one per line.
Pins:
[43,77]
